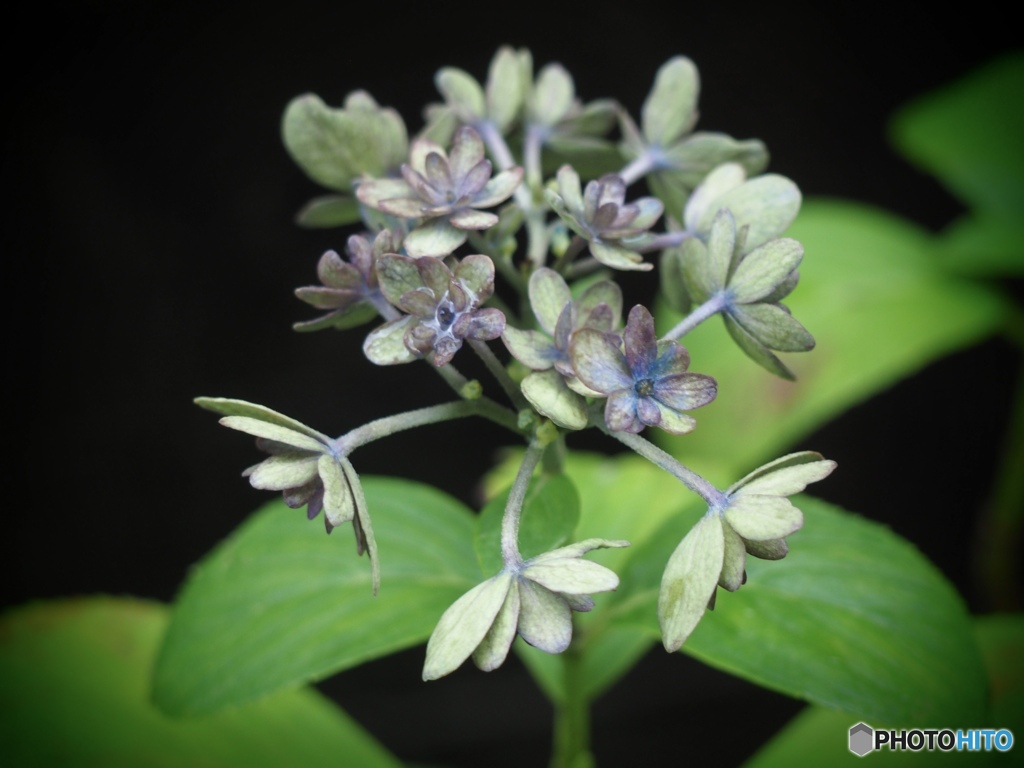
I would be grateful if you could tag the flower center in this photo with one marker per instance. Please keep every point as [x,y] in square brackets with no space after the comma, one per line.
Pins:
[445,316]
[644,387]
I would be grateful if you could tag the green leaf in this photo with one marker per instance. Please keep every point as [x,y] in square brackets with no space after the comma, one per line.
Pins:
[984,245]
[279,603]
[75,692]
[879,307]
[855,618]
[968,134]
[551,512]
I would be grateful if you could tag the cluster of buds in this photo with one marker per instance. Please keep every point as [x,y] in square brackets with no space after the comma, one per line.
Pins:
[458,187]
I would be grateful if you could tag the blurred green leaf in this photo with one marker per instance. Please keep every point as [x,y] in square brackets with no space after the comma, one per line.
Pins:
[880,307]
[968,134]
[854,618]
[279,603]
[821,732]
[984,245]
[551,511]
[75,692]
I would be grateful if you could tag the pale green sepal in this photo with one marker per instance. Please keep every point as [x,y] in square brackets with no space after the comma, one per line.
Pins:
[675,422]
[328,211]
[572,576]
[226,406]
[339,505]
[549,394]
[464,625]
[531,348]
[758,518]
[508,81]
[755,350]
[734,560]
[788,480]
[493,649]
[462,92]
[601,292]
[552,95]
[764,269]
[783,462]
[767,204]
[689,581]
[773,326]
[698,276]
[578,549]
[569,188]
[436,237]
[397,275]
[769,549]
[721,245]
[545,619]
[670,109]
[549,294]
[283,470]
[269,431]
[619,257]
[386,345]
[363,517]
[582,389]
[722,179]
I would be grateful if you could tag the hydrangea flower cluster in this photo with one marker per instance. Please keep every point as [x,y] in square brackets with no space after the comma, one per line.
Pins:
[466,241]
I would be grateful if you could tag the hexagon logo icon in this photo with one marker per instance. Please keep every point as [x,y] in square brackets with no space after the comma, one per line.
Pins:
[862,739]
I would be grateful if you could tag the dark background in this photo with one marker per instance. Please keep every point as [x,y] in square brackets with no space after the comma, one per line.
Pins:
[150,257]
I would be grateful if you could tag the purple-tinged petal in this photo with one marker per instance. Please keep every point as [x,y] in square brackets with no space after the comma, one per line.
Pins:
[467,218]
[565,326]
[467,151]
[420,338]
[591,200]
[531,348]
[685,391]
[598,362]
[301,496]
[549,294]
[470,185]
[601,318]
[397,275]
[640,341]
[419,151]
[403,207]
[437,176]
[499,188]
[602,292]
[674,422]
[445,348]
[603,217]
[423,188]
[457,295]
[620,412]
[434,274]
[672,358]
[420,302]
[647,411]
[482,325]
[612,190]
[373,191]
[327,298]
[476,273]
[335,273]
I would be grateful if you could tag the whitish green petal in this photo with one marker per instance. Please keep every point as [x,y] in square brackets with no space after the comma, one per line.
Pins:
[758,518]
[569,188]
[769,549]
[755,350]
[463,626]
[269,431]
[722,179]
[689,581]
[699,278]
[369,540]
[499,188]
[767,204]
[508,81]
[545,619]
[386,345]
[468,218]
[549,294]
[476,273]
[227,406]
[578,549]
[734,560]
[339,504]
[764,269]
[572,576]
[619,257]
[552,96]
[373,192]
[721,245]
[598,362]
[532,348]
[672,421]
[786,480]
[283,471]
[397,275]
[789,460]
[435,237]
[462,92]
[773,326]
[493,649]
[670,109]
[601,292]
[549,394]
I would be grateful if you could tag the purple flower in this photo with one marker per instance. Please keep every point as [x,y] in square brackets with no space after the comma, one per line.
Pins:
[648,384]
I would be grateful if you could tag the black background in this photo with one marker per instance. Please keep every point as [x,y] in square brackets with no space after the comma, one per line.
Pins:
[150,257]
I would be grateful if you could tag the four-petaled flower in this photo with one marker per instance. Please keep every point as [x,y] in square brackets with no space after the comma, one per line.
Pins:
[443,308]
[648,384]
[446,190]
[535,599]
[600,215]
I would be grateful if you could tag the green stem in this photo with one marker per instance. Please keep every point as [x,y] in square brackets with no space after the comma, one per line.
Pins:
[434,414]
[708,309]
[571,747]
[714,497]
[514,508]
[497,370]
[565,260]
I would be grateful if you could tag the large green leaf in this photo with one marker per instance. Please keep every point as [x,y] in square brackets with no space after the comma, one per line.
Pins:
[822,732]
[855,618]
[75,692]
[872,293]
[279,603]
[969,135]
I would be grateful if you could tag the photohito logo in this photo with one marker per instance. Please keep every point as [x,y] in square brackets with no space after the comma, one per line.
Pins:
[864,739]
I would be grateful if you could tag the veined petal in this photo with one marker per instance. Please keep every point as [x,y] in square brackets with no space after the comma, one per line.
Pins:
[549,294]
[757,517]
[598,362]
[335,273]
[548,393]
[773,326]
[386,344]
[464,625]
[435,237]
[472,184]
[674,422]
[620,412]
[481,325]
[339,504]
[648,412]
[397,275]
[685,391]
[476,273]
[572,576]
[327,298]
[601,292]
[764,268]
[531,348]
[420,149]
[754,349]
[690,579]
[769,549]
[545,619]
[373,191]
[493,649]
[467,152]
[640,342]
[722,179]
[434,274]
[499,188]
